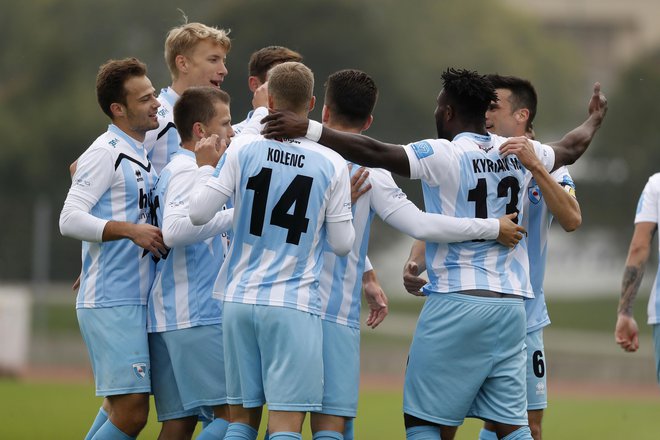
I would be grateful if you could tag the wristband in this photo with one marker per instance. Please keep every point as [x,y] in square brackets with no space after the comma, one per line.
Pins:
[314,130]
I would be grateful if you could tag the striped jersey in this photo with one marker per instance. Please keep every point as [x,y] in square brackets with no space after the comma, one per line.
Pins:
[648,210]
[467,177]
[181,295]
[162,142]
[341,278]
[284,193]
[537,221]
[115,174]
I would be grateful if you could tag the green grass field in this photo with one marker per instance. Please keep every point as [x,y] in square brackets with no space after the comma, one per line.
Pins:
[65,411]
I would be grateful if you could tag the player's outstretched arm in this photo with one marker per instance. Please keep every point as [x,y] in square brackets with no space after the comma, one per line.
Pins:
[626,332]
[357,148]
[415,265]
[561,204]
[375,297]
[576,141]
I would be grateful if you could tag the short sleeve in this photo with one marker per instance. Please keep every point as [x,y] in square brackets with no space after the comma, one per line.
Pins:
[647,206]
[339,200]
[428,158]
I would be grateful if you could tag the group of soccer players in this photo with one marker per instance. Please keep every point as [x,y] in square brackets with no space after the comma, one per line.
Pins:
[222,268]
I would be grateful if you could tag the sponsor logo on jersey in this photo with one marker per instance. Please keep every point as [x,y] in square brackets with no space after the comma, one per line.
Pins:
[422,149]
[534,194]
[113,142]
[138,176]
[540,388]
[162,112]
[140,369]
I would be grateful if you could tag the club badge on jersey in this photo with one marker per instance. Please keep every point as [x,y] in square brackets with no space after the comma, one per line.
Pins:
[534,193]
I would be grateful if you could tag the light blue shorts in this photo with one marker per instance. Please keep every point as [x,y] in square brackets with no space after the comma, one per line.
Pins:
[341,367]
[537,386]
[273,355]
[116,339]
[467,359]
[656,342]
[187,371]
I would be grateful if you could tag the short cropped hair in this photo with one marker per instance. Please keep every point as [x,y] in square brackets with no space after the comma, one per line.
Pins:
[264,59]
[291,85]
[111,80]
[469,93]
[196,104]
[181,40]
[523,94]
[350,95]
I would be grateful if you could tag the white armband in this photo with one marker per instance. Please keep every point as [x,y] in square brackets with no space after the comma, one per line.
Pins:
[314,130]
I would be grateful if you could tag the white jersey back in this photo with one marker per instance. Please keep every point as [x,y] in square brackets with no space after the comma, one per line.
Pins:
[468,178]
[537,221]
[284,193]
[181,295]
[163,142]
[648,210]
[341,277]
[114,172]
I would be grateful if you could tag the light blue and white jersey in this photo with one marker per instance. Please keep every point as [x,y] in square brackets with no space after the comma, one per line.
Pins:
[648,210]
[284,193]
[238,127]
[115,177]
[467,177]
[162,142]
[341,278]
[537,221]
[181,295]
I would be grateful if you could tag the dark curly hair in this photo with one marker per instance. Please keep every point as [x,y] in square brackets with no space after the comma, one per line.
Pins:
[468,93]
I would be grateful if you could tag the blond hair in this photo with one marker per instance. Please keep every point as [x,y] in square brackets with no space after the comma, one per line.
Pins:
[181,40]
[291,85]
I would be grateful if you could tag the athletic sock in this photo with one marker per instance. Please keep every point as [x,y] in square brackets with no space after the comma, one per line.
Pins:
[485,434]
[348,429]
[100,419]
[283,435]
[425,432]
[240,431]
[328,435]
[215,430]
[522,433]
[110,432]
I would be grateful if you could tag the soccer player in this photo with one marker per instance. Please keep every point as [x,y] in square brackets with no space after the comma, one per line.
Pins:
[260,63]
[195,55]
[290,196]
[476,289]
[547,196]
[350,97]
[184,320]
[626,332]
[108,209]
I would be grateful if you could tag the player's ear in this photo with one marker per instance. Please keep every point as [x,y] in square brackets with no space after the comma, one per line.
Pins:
[312,103]
[181,63]
[253,83]
[117,109]
[325,114]
[522,115]
[198,130]
[368,122]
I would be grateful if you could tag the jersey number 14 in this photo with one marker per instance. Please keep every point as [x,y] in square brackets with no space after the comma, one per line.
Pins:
[297,193]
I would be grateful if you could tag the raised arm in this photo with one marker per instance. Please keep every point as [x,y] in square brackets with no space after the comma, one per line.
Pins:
[576,141]
[357,148]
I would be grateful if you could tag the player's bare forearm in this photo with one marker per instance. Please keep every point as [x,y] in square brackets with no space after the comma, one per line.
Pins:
[632,278]
[575,142]
[563,206]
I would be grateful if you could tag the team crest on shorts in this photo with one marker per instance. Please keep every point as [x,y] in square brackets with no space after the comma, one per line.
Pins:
[540,388]
[534,194]
[140,369]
